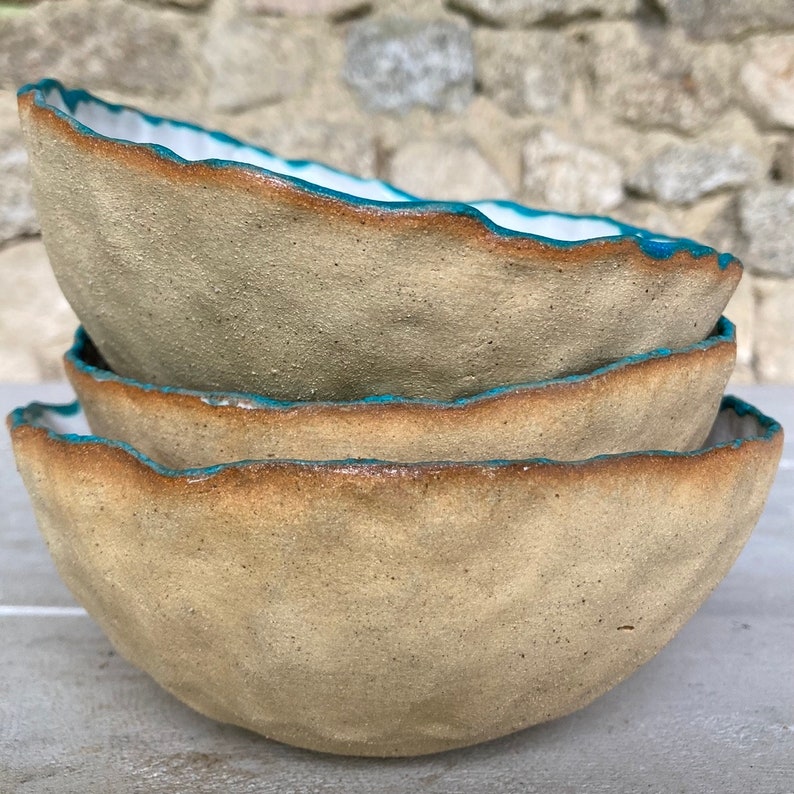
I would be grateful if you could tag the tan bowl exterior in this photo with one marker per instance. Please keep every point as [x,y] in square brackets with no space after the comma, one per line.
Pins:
[394,609]
[664,402]
[207,277]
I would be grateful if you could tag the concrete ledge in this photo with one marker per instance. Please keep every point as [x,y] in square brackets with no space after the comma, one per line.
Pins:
[713,712]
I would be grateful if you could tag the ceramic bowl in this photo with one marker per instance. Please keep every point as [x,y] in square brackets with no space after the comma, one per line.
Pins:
[197,261]
[390,609]
[661,400]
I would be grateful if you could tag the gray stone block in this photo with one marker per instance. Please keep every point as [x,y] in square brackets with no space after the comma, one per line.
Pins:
[395,63]
[774,319]
[728,18]
[681,174]
[766,216]
[525,71]
[768,79]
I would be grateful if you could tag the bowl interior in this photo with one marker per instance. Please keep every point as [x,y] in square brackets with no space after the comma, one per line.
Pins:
[192,143]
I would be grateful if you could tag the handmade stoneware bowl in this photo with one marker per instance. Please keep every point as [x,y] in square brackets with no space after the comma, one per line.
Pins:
[661,400]
[197,261]
[391,609]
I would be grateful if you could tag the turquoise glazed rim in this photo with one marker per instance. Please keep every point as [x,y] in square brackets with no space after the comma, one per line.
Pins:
[83,355]
[52,96]
[35,415]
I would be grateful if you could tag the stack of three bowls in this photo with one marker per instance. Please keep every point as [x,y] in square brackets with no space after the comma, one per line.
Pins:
[369,474]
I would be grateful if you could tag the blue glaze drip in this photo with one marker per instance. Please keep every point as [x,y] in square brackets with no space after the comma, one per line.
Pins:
[725,331]
[656,249]
[34,414]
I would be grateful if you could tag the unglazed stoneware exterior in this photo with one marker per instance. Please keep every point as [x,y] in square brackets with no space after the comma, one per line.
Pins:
[391,609]
[664,400]
[196,261]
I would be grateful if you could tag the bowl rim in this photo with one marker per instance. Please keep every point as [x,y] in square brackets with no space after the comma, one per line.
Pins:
[656,246]
[724,332]
[33,417]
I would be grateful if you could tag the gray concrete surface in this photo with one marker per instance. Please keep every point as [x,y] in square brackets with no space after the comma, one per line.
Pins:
[713,712]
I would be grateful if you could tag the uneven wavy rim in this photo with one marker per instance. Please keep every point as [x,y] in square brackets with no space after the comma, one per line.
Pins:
[724,332]
[656,246]
[34,415]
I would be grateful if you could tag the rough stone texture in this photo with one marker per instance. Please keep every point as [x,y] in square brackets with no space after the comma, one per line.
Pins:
[346,147]
[774,330]
[253,62]
[767,218]
[441,170]
[523,70]
[36,323]
[563,175]
[682,174]
[741,311]
[530,12]
[672,90]
[728,18]
[768,79]
[660,79]
[395,63]
[330,8]
[17,213]
[97,44]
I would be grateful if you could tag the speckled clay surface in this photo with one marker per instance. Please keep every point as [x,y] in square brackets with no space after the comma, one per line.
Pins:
[663,401]
[392,609]
[213,274]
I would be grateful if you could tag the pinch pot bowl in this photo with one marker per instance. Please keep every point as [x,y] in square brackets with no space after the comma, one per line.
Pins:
[194,260]
[661,400]
[391,609]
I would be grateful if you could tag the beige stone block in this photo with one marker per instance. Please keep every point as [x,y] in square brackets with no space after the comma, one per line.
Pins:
[562,175]
[256,61]
[446,170]
[100,44]
[774,330]
[344,146]
[648,215]
[500,137]
[741,312]
[660,78]
[767,79]
[36,322]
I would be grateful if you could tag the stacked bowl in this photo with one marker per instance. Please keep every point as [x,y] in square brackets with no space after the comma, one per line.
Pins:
[369,474]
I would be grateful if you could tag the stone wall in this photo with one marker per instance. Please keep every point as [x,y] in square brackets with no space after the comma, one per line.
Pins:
[677,115]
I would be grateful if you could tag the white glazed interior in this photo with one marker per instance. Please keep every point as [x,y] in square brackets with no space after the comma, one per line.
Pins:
[195,144]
